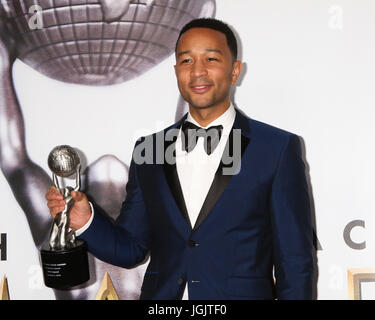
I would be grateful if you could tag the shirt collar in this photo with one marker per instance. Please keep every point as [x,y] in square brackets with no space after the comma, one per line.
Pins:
[226,119]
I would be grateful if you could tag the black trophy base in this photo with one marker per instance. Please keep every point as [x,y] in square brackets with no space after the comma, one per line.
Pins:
[65,268]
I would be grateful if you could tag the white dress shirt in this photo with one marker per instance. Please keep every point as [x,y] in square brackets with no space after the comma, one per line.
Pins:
[196,169]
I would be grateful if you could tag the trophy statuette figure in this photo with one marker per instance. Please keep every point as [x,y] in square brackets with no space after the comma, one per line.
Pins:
[64,258]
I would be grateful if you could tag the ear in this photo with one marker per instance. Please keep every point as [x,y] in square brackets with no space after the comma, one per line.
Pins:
[236,71]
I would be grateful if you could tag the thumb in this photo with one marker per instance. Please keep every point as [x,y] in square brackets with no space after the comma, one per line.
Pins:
[77,196]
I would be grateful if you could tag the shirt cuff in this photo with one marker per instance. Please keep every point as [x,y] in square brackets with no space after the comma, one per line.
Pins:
[79,231]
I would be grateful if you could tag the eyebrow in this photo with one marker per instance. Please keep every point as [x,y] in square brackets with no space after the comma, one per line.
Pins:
[207,50]
[214,50]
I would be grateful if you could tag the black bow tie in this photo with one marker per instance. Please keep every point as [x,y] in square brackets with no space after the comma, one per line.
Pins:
[191,133]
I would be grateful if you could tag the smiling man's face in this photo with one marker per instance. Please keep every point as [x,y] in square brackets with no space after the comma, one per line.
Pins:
[205,68]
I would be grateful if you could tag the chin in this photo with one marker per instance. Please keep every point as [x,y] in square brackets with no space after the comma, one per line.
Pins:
[201,104]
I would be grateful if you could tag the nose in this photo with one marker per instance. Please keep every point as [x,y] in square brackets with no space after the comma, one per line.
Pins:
[198,69]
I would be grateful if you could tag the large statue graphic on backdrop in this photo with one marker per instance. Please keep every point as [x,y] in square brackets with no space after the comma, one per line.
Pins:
[92,42]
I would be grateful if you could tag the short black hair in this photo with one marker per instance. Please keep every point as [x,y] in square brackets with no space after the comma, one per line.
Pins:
[214,24]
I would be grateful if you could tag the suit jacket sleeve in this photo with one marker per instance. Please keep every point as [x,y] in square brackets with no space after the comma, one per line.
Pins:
[292,227]
[124,243]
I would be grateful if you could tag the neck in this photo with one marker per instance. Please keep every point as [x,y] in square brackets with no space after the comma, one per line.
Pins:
[206,115]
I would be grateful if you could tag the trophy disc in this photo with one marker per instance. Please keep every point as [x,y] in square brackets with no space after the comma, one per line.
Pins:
[66,268]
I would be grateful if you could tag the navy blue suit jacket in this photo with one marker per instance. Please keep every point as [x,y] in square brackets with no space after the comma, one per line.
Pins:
[254,226]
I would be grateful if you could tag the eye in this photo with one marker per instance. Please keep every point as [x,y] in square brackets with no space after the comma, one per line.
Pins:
[186,60]
[212,59]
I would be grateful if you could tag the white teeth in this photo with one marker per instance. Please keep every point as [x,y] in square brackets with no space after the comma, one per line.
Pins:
[200,87]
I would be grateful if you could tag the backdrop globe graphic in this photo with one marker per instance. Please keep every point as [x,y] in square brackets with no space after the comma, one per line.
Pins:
[98,42]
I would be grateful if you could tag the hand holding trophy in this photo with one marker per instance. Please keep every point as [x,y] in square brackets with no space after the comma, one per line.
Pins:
[64,258]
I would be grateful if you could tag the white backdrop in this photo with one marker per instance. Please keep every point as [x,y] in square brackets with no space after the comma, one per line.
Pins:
[309,69]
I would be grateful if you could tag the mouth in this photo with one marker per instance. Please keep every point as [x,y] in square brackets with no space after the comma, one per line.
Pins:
[199,89]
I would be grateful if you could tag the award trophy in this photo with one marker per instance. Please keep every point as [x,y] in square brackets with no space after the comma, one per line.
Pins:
[64,258]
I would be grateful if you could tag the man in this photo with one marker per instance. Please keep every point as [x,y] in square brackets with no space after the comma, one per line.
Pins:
[152,28]
[210,234]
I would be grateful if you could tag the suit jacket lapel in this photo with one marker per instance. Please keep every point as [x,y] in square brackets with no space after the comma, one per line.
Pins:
[170,168]
[223,177]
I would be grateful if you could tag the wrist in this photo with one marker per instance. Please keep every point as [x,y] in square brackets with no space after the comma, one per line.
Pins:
[87,223]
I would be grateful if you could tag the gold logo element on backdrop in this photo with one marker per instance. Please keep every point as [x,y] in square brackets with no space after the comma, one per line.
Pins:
[4,292]
[355,277]
[107,290]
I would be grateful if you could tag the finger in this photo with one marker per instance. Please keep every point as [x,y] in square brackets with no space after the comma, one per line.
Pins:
[53,194]
[56,210]
[55,203]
